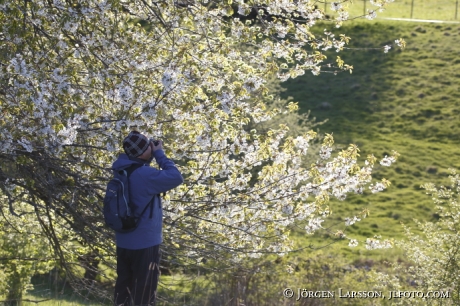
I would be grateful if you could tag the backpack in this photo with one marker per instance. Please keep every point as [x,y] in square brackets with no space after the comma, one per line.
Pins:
[118,212]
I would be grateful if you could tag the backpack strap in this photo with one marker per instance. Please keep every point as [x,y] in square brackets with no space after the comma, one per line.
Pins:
[151,203]
[130,171]
[132,168]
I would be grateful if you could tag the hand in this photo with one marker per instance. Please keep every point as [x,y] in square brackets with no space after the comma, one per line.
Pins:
[157,147]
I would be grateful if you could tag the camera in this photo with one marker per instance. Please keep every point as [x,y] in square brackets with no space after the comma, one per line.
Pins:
[154,141]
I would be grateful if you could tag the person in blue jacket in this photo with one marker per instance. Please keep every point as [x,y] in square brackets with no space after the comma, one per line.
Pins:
[138,252]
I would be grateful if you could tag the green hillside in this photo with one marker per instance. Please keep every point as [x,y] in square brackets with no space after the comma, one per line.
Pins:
[406,101]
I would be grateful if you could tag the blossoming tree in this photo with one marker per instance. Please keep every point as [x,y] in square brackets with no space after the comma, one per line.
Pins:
[79,75]
[434,252]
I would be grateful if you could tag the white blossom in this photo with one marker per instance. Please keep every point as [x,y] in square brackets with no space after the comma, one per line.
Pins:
[399,43]
[387,161]
[353,243]
[252,84]
[371,14]
[169,79]
[351,221]
[343,16]
[315,70]
[287,209]
[325,152]
[374,243]
[26,144]
[335,6]
[377,187]
[314,224]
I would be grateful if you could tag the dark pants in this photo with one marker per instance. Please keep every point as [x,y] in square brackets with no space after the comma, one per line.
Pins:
[138,272]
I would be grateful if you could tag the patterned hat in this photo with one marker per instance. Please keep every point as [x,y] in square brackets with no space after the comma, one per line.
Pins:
[135,144]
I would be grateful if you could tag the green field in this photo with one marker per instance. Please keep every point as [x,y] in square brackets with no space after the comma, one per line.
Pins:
[416,9]
[405,101]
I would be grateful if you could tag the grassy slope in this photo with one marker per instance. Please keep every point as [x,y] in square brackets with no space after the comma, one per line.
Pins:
[407,101]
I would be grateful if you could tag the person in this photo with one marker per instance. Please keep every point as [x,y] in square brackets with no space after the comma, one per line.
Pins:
[138,252]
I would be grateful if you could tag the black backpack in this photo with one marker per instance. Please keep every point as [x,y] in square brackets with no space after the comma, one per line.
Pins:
[118,211]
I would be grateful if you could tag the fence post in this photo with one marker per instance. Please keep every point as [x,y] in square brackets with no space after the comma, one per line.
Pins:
[412,9]
[456,9]
[364,7]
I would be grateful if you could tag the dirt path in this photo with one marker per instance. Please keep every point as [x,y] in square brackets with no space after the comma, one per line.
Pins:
[422,20]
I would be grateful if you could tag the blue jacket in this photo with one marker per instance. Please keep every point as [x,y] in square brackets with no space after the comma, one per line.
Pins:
[144,183]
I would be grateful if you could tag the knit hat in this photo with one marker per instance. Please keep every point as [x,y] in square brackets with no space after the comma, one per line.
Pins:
[135,144]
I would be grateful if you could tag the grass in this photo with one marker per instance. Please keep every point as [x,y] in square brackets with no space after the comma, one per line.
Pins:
[172,290]
[33,301]
[405,101]
[46,292]
[421,9]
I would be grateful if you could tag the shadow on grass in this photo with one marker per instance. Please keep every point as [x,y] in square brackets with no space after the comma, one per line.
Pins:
[54,290]
[406,101]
